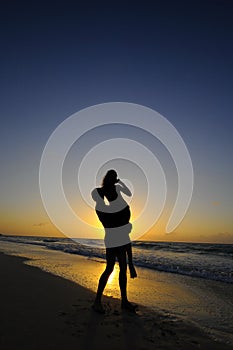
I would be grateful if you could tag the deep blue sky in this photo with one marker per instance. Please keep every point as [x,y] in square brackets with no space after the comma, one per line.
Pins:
[58,57]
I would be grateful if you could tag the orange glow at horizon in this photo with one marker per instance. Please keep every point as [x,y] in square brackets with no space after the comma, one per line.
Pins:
[193,228]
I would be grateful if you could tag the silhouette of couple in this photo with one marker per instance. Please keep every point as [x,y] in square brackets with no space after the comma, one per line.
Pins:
[115,218]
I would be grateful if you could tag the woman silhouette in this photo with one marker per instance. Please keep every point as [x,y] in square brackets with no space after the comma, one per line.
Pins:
[115,219]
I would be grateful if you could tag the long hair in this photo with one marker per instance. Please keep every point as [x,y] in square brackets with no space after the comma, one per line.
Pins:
[110,178]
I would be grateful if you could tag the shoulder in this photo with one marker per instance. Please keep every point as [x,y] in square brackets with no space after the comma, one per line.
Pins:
[95,194]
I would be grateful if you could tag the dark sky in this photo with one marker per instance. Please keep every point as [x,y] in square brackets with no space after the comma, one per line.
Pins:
[58,57]
[174,56]
[152,52]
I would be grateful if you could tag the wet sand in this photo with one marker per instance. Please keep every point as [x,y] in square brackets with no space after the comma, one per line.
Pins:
[43,311]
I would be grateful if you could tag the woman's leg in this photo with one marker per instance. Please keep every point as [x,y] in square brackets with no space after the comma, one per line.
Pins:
[132,270]
[129,253]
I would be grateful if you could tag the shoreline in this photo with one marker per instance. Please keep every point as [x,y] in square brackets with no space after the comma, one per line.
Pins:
[41,310]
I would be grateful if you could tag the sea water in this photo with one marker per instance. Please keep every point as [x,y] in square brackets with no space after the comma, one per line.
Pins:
[203,260]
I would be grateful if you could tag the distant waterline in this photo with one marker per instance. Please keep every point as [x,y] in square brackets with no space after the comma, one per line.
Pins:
[201,260]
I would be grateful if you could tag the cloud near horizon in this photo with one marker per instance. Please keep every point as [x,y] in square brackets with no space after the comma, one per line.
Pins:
[40,224]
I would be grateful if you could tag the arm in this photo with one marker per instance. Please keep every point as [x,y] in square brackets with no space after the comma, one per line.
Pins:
[124,188]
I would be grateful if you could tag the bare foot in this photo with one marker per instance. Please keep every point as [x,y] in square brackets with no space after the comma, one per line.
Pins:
[126,305]
[97,306]
[132,271]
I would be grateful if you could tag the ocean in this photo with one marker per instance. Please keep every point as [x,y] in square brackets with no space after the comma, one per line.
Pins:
[203,260]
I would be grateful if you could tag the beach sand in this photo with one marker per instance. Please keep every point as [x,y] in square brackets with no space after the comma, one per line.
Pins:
[43,311]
